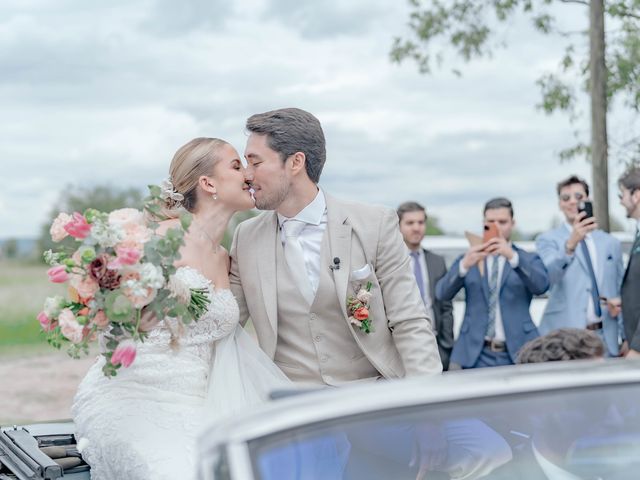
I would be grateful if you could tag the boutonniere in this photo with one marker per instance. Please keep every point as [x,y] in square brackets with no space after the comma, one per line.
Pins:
[358,308]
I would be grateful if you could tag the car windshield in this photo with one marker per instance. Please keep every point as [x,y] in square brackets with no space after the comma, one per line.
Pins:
[582,433]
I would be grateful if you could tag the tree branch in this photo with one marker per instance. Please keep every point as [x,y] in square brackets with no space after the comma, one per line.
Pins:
[581,2]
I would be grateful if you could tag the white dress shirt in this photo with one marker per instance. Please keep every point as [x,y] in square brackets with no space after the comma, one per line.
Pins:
[500,336]
[593,253]
[422,264]
[315,217]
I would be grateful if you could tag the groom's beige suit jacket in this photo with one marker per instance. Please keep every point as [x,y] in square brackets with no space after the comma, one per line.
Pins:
[403,342]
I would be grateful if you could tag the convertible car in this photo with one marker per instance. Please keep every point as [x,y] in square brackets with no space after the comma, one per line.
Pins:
[573,420]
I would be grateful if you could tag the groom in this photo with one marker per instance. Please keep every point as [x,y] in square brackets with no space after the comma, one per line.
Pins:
[294,268]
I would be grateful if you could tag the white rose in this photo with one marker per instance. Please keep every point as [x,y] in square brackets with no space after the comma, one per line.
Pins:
[52,306]
[364,296]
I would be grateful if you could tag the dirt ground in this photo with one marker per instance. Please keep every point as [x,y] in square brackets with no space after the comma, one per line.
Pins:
[39,386]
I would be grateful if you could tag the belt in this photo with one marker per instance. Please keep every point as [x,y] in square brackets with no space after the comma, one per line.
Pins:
[594,326]
[495,345]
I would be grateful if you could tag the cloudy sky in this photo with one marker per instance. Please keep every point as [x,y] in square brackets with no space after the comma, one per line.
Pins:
[105,92]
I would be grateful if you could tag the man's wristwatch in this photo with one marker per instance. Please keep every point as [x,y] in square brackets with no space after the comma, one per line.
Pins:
[568,250]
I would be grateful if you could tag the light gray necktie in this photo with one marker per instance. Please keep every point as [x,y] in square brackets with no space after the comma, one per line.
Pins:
[294,256]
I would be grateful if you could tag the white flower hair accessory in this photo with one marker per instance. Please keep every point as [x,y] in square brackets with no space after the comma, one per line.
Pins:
[169,192]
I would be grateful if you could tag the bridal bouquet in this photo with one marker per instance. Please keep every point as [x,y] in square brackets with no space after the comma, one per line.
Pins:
[120,278]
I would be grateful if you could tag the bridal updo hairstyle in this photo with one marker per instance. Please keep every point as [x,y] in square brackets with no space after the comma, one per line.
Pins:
[190,162]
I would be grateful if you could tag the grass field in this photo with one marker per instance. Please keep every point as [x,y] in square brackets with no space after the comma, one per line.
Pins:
[23,288]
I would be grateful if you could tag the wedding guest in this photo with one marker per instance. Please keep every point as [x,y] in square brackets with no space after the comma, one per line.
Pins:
[584,264]
[428,268]
[629,184]
[562,344]
[496,320]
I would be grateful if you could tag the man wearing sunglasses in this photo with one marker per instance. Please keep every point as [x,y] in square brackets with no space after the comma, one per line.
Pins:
[585,269]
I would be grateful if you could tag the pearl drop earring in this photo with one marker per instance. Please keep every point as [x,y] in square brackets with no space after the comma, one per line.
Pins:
[215,196]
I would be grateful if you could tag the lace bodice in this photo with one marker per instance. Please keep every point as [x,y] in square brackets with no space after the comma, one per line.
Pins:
[219,321]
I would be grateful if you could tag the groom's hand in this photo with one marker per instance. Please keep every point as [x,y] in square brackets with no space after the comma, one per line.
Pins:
[430,449]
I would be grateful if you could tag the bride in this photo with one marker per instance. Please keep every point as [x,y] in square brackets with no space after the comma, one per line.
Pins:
[143,423]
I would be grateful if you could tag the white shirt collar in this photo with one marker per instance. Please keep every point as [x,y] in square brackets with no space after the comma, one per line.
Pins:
[551,470]
[312,213]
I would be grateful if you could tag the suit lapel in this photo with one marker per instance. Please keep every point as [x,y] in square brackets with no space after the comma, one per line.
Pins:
[636,244]
[339,232]
[506,270]
[267,237]
[431,274]
[601,254]
[484,280]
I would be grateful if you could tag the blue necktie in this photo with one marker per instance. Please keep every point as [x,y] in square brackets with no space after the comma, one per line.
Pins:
[595,294]
[493,298]
[417,271]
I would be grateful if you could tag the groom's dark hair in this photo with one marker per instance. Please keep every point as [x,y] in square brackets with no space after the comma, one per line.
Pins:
[291,130]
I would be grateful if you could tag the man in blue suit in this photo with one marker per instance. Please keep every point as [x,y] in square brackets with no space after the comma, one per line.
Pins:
[585,267]
[496,319]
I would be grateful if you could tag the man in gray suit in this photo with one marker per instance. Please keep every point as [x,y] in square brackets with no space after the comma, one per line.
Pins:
[327,283]
[629,184]
[428,268]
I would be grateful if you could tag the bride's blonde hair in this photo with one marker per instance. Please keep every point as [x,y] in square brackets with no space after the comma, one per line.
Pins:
[190,162]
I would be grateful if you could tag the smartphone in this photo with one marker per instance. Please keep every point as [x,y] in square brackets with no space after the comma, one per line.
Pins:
[490,231]
[587,207]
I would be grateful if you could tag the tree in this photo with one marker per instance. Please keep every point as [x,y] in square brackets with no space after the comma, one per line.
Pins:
[433,226]
[103,197]
[608,73]
[9,248]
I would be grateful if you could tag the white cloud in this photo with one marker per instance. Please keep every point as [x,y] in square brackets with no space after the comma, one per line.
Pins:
[106,92]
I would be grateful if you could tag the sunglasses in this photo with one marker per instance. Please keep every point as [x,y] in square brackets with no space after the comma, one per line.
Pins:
[565,197]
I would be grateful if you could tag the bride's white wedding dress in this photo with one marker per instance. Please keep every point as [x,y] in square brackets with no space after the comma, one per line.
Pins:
[143,423]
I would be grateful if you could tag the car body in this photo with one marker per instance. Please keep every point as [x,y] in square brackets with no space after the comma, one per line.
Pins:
[586,410]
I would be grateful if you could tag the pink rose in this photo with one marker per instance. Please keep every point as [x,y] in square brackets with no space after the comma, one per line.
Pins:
[58,274]
[78,227]
[143,300]
[85,286]
[361,313]
[57,230]
[45,322]
[69,326]
[125,353]
[127,256]
[135,236]
[126,216]
[100,320]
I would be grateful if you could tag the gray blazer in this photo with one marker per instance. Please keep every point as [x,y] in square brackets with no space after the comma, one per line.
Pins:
[442,309]
[631,297]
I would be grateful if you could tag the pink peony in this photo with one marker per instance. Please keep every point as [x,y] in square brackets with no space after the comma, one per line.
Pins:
[100,320]
[125,353]
[57,229]
[78,227]
[69,326]
[85,286]
[127,256]
[143,300]
[58,274]
[45,322]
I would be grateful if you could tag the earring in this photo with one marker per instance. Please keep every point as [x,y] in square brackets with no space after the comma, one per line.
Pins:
[215,196]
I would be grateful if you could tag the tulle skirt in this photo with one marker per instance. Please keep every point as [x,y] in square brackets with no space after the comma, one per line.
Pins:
[144,423]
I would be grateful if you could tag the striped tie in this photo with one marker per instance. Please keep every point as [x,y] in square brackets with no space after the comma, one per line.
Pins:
[493,299]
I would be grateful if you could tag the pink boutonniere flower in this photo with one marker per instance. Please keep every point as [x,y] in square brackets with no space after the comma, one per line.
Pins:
[358,308]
